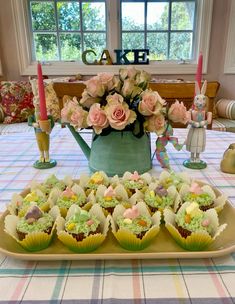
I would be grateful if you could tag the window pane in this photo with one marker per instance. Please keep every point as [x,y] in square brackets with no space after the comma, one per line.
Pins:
[95,42]
[181,46]
[43,16]
[133,40]
[46,47]
[68,16]
[157,45]
[132,16]
[182,17]
[93,15]
[70,46]
[157,16]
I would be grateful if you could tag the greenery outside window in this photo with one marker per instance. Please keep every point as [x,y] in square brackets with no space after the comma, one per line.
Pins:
[175,31]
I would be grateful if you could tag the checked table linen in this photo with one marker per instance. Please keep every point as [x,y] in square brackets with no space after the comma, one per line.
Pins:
[210,280]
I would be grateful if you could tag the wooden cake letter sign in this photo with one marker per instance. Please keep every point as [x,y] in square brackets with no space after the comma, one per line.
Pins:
[140,57]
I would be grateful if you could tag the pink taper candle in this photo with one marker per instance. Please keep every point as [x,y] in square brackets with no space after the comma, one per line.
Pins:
[198,77]
[41,92]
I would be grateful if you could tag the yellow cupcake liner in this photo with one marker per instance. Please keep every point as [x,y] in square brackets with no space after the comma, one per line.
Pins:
[90,243]
[129,240]
[197,240]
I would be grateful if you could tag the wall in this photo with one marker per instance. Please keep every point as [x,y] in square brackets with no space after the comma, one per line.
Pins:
[221,11]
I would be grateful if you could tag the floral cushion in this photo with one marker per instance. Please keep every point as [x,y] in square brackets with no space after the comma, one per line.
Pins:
[52,101]
[16,100]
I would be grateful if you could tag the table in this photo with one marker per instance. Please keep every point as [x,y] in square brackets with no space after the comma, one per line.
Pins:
[119,282]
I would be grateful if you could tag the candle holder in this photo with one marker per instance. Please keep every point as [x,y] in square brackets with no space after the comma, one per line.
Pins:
[42,130]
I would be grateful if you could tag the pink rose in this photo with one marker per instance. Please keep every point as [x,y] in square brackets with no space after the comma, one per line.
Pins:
[151,103]
[78,118]
[69,107]
[128,73]
[155,123]
[178,112]
[94,87]
[130,89]
[87,100]
[119,115]
[108,80]
[97,118]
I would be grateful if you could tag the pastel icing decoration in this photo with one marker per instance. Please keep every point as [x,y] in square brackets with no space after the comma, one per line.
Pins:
[195,188]
[135,176]
[131,213]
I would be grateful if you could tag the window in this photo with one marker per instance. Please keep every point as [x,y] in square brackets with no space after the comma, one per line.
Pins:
[46,31]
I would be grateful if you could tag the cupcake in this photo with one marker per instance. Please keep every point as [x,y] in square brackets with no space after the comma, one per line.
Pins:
[83,231]
[19,204]
[52,182]
[192,228]
[177,179]
[109,198]
[93,182]
[65,199]
[204,196]
[159,198]
[35,230]
[134,228]
[133,182]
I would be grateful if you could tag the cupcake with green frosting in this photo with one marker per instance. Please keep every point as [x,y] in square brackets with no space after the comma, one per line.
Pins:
[20,203]
[133,182]
[192,228]
[65,199]
[203,195]
[177,179]
[109,198]
[159,198]
[91,183]
[134,228]
[35,230]
[52,182]
[83,231]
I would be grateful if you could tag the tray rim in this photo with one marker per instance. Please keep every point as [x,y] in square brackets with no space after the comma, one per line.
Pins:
[38,256]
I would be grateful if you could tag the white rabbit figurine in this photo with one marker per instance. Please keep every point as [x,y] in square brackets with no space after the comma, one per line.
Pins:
[198,121]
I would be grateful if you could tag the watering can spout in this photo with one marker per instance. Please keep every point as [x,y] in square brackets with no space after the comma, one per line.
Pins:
[83,145]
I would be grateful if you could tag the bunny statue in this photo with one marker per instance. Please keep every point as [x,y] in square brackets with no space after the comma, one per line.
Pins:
[198,120]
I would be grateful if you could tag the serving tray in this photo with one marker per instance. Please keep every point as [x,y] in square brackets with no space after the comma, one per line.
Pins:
[161,248]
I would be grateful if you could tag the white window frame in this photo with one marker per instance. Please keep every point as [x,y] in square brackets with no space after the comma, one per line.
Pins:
[28,67]
[229,63]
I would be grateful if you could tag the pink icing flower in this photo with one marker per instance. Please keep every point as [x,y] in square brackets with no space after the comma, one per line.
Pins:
[205,222]
[67,192]
[109,192]
[94,87]
[131,213]
[155,123]
[195,188]
[151,103]
[135,176]
[90,222]
[97,118]
[119,115]
[178,112]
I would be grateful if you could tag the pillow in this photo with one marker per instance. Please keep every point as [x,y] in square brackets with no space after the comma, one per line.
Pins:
[16,100]
[2,115]
[226,108]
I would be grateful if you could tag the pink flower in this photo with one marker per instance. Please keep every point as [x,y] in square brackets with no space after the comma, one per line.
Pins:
[178,112]
[78,118]
[109,192]
[119,115]
[131,213]
[135,176]
[130,89]
[94,87]
[114,98]
[195,188]
[151,103]
[108,80]
[97,118]
[155,123]
[128,73]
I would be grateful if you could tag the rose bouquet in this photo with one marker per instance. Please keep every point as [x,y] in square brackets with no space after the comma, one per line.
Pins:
[124,102]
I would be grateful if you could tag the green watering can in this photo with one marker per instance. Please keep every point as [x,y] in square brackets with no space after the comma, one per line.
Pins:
[117,152]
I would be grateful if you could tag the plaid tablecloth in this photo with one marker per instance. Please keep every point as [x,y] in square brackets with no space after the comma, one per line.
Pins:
[126,281]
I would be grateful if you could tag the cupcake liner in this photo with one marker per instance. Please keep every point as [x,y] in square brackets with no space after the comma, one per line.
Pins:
[197,240]
[90,243]
[129,240]
[34,241]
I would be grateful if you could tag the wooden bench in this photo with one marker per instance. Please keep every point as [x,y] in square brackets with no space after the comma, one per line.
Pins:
[183,91]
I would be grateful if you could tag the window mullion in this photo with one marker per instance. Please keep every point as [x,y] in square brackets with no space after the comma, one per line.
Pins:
[57,31]
[113,28]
